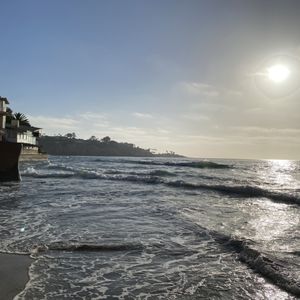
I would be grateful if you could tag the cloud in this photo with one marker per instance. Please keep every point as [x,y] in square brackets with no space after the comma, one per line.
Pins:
[254,130]
[233,93]
[128,131]
[195,117]
[92,116]
[188,133]
[66,123]
[87,124]
[142,115]
[205,90]
[94,119]
[201,89]
[83,124]
[163,131]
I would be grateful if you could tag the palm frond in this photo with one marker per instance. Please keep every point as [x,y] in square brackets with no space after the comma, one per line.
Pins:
[22,119]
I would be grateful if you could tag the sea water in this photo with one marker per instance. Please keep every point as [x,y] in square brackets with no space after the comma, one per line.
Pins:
[155,228]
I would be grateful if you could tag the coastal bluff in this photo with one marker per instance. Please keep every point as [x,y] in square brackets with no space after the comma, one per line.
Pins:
[69,145]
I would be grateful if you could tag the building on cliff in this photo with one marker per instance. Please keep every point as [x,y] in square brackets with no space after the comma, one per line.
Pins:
[13,131]
[25,135]
[9,152]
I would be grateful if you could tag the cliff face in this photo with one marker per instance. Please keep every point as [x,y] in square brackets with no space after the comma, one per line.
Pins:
[59,145]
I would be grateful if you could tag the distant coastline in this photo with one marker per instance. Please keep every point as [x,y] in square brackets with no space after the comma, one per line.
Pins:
[70,145]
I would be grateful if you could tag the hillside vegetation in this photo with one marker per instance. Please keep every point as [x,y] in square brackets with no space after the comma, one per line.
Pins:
[70,145]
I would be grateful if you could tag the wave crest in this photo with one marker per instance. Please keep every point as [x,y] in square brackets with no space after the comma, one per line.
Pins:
[263,264]
[240,190]
[190,164]
[72,246]
[155,177]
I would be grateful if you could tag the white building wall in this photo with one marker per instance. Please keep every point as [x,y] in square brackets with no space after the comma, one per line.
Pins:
[26,138]
[2,106]
[2,117]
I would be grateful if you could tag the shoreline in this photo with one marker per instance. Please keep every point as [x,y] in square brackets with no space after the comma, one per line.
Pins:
[13,274]
[33,157]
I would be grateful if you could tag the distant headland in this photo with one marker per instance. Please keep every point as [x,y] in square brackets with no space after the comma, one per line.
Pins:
[70,145]
[16,128]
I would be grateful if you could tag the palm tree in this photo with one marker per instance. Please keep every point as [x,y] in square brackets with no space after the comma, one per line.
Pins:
[22,119]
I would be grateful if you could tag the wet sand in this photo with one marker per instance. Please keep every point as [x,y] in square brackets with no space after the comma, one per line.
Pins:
[13,274]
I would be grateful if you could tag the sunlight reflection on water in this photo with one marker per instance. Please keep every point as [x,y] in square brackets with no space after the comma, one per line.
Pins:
[272,221]
[281,165]
[280,172]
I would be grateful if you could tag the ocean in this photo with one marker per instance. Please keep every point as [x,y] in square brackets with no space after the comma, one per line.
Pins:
[155,228]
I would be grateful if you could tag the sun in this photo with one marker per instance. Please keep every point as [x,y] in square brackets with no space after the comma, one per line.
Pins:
[278,73]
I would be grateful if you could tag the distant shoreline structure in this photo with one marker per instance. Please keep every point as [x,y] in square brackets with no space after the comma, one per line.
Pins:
[10,150]
[18,141]
[69,145]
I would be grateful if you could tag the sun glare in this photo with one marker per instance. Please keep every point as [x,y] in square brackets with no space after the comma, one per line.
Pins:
[278,73]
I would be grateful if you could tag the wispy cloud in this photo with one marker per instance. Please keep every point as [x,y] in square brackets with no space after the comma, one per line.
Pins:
[93,116]
[87,124]
[84,124]
[256,129]
[233,93]
[94,119]
[142,115]
[208,91]
[190,133]
[65,123]
[195,117]
[265,131]
[198,88]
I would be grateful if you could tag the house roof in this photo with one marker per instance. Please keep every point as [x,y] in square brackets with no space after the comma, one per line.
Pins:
[23,128]
[32,128]
[4,99]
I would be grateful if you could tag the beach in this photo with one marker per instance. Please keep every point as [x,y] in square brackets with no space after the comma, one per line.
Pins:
[13,274]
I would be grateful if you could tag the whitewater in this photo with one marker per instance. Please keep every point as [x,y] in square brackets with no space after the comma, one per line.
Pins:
[155,228]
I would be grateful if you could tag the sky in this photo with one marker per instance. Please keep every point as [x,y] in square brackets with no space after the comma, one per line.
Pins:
[184,76]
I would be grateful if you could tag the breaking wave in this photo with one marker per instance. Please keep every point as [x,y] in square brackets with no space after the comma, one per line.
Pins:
[161,173]
[154,177]
[268,267]
[192,164]
[240,190]
[69,246]
[88,174]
